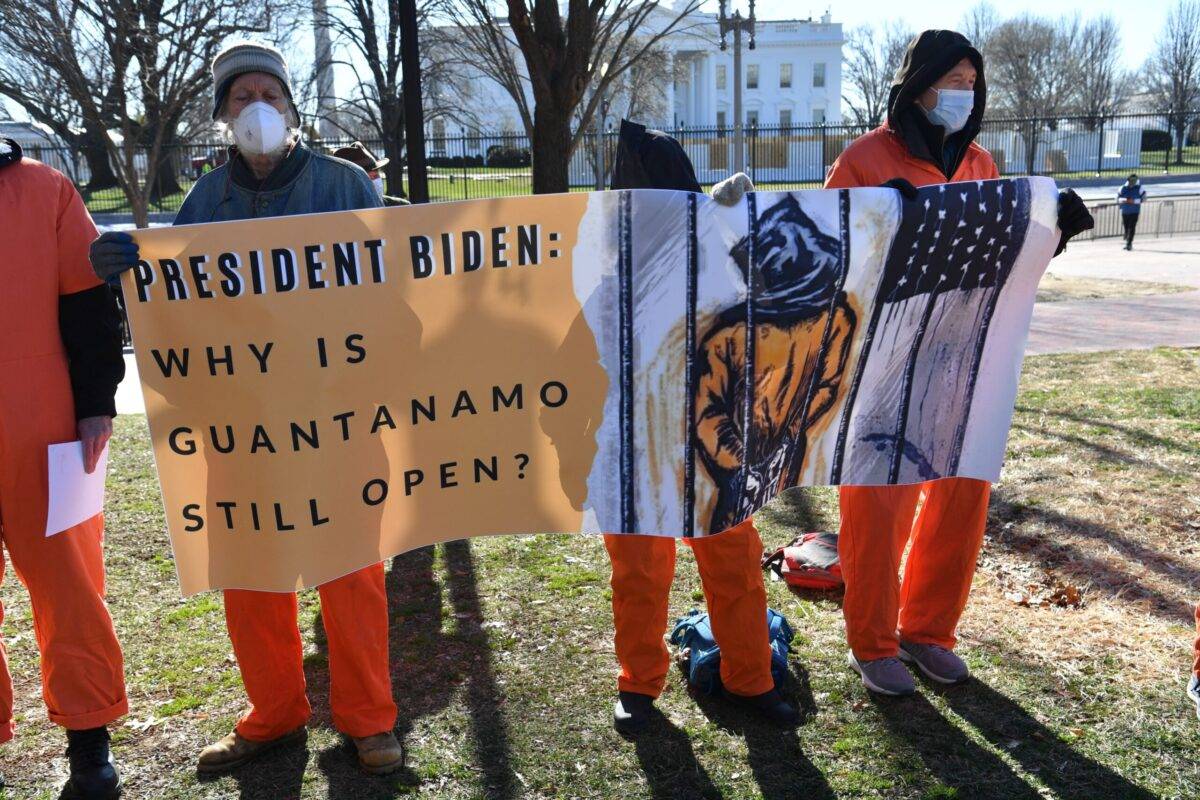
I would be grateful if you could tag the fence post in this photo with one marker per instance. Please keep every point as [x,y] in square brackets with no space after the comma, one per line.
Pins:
[463,149]
[1100,148]
[824,166]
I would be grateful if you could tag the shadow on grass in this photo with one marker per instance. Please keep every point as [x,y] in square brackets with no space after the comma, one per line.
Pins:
[947,752]
[1136,434]
[1007,725]
[1086,569]
[278,775]
[669,763]
[781,769]
[428,665]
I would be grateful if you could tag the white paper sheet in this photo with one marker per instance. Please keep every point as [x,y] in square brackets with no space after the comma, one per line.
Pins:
[75,496]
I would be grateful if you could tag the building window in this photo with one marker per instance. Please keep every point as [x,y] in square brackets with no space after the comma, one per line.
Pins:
[720,123]
[785,120]
[818,116]
[785,76]
[720,77]
[818,76]
[752,118]
[752,76]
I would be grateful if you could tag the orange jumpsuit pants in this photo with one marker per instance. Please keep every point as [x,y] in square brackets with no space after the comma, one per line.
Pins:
[877,521]
[44,239]
[266,642]
[642,570]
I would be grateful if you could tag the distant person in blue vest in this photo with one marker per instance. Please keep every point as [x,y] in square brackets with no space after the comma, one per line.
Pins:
[1130,199]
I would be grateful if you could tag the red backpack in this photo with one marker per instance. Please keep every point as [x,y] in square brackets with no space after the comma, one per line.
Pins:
[810,561]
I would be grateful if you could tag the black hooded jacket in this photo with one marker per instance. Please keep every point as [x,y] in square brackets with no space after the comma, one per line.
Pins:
[930,56]
[649,159]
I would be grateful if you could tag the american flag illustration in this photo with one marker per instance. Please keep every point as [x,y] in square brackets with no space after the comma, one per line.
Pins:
[953,251]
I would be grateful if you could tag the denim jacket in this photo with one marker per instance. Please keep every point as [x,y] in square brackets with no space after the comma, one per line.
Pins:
[305,182]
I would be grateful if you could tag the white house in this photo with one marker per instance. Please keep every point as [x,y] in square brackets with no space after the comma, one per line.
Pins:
[793,77]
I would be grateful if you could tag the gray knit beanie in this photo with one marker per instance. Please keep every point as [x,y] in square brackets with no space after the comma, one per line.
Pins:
[242,57]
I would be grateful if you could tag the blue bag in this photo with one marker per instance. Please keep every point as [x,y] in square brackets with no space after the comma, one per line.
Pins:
[694,634]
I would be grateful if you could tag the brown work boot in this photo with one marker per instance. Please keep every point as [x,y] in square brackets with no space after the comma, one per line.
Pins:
[379,754]
[234,750]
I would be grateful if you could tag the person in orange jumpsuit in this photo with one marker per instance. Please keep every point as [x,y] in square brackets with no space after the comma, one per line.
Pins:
[935,111]
[643,567]
[1193,689]
[60,352]
[272,173]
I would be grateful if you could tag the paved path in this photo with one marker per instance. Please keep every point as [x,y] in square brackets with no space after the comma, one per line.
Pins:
[1130,323]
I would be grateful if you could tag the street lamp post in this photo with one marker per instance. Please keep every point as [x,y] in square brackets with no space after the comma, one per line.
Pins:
[602,153]
[737,24]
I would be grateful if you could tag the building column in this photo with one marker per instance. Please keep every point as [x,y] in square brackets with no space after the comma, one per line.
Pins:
[670,90]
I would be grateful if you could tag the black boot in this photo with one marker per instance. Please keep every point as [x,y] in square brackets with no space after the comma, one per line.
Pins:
[771,705]
[632,712]
[94,773]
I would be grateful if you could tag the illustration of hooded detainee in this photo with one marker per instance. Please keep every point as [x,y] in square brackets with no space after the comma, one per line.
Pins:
[802,327]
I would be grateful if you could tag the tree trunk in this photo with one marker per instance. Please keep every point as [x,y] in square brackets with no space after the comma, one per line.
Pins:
[551,149]
[393,148]
[101,176]
[166,176]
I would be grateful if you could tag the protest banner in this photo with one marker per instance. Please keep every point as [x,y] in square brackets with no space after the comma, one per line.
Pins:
[325,391]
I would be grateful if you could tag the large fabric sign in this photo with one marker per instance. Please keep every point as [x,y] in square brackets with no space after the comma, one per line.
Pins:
[326,391]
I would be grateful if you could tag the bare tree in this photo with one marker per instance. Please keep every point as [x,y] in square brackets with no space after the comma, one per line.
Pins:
[979,24]
[134,67]
[874,57]
[1031,79]
[30,79]
[1173,71]
[368,32]
[540,53]
[640,94]
[1100,83]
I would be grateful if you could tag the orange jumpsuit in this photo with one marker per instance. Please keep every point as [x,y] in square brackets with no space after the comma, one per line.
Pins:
[266,642]
[642,570]
[1196,646]
[45,232]
[877,521]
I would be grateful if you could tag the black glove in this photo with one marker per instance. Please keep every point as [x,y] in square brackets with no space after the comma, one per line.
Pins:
[113,253]
[1073,217]
[903,186]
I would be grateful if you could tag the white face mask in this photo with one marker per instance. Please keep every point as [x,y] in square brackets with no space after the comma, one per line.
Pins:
[953,109]
[378,185]
[259,129]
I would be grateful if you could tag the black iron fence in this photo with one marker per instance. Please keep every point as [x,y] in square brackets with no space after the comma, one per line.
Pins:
[776,157]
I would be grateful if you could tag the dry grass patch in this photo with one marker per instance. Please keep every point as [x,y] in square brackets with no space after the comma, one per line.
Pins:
[1056,288]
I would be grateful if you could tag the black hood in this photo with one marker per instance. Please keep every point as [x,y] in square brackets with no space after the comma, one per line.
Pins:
[10,152]
[649,159]
[930,56]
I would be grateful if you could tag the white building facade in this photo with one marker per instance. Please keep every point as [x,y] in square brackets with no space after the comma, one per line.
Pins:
[793,77]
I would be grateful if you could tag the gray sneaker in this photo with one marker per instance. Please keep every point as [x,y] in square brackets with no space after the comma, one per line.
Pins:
[938,663]
[884,675]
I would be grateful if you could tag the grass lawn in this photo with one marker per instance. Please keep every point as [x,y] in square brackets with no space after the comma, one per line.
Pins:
[1079,636]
